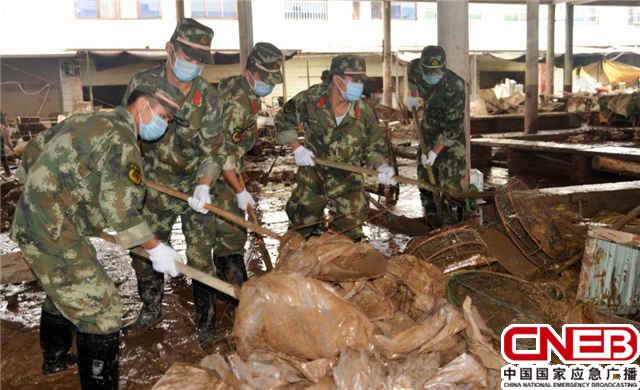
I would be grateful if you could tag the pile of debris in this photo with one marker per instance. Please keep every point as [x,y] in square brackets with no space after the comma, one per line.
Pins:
[339,315]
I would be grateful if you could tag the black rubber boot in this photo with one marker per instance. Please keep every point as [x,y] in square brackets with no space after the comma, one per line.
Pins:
[231,268]
[98,360]
[151,291]
[204,298]
[56,336]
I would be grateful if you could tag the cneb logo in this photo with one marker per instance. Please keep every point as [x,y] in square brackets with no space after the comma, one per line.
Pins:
[579,343]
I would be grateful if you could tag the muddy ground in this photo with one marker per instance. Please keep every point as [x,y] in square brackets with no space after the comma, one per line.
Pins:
[145,357]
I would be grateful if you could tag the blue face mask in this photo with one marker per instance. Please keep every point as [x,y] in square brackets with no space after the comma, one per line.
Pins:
[353,91]
[186,71]
[261,88]
[153,130]
[432,78]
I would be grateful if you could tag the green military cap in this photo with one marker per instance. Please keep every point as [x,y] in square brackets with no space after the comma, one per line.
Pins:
[195,39]
[170,97]
[268,60]
[349,64]
[433,57]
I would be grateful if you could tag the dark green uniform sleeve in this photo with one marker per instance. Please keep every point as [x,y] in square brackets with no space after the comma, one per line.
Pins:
[377,149]
[212,139]
[120,199]
[289,118]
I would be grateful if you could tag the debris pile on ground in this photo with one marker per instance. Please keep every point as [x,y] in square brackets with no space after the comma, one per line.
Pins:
[623,107]
[386,325]
[10,190]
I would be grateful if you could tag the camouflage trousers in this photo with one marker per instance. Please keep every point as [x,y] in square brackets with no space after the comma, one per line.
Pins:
[448,170]
[76,285]
[345,198]
[207,234]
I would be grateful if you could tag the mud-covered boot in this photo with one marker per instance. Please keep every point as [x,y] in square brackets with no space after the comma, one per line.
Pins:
[231,268]
[56,336]
[151,291]
[98,360]
[204,302]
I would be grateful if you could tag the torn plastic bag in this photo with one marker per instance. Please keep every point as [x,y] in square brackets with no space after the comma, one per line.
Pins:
[479,336]
[357,370]
[297,316]
[333,258]
[462,370]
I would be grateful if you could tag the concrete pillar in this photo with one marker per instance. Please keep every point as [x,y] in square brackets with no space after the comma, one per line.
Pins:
[453,36]
[386,55]
[284,78]
[568,50]
[475,85]
[551,49]
[531,74]
[245,29]
[179,9]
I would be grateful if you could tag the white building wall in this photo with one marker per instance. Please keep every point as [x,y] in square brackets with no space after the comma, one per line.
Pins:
[53,28]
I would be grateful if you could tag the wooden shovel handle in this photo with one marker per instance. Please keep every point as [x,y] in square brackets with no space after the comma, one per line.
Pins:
[216,210]
[204,278]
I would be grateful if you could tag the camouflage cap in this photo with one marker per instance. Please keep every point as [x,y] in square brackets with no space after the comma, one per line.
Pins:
[195,39]
[170,97]
[433,57]
[268,60]
[348,64]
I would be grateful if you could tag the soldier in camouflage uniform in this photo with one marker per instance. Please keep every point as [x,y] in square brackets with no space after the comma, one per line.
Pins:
[442,126]
[338,126]
[241,102]
[189,157]
[76,185]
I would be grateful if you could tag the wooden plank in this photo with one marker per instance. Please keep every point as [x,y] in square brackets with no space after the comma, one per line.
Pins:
[614,165]
[559,147]
[616,236]
[14,269]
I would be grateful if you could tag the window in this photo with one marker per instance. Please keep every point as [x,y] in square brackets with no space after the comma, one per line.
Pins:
[227,9]
[306,9]
[634,15]
[118,9]
[399,10]
[585,14]
[516,14]
[149,9]
[475,12]
[431,11]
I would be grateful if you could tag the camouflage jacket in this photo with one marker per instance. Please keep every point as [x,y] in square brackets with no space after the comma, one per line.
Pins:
[358,140]
[240,108]
[185,153]
[81,176]
[443,119]
[36,145]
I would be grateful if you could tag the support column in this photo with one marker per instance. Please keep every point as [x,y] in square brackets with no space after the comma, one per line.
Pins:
[531,75]
[179,10]
[284,78]
[453,36]
[245,29]
[386,55]
[568,50]
[475,86]
[551,49]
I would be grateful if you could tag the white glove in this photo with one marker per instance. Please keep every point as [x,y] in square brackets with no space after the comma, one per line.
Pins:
[427,160]
[164,258]
[200,197]
[304,157]
[244,199]
[385,175]
[412,102]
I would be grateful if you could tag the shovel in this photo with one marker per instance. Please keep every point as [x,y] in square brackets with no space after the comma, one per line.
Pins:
[204,278]
[405,180]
